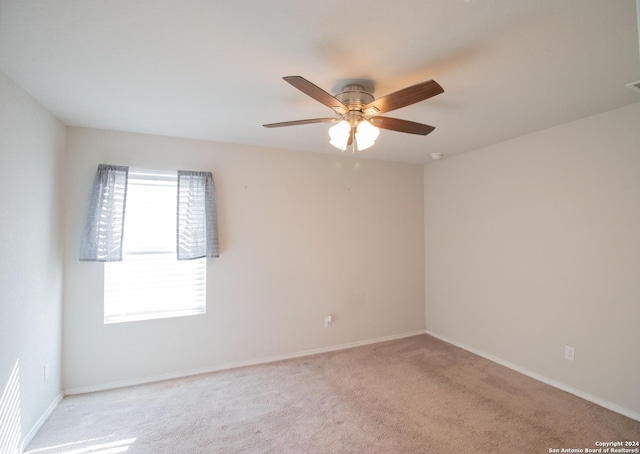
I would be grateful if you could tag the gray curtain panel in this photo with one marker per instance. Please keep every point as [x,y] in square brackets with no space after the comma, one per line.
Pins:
[197,217]
[103,226]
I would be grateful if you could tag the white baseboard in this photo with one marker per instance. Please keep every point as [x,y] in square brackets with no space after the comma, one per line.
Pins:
[36,427]
[541,378]
[206,370]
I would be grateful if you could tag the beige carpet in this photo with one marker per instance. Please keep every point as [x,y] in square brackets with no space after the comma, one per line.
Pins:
[414,395]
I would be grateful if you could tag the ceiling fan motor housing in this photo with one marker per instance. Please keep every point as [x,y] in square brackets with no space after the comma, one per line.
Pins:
[354,97]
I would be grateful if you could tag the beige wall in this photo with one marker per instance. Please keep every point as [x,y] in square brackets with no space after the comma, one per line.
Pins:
[31,154]
[302,236]
[534,244]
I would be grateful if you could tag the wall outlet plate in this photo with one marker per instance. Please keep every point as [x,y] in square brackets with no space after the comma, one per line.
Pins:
[569,352]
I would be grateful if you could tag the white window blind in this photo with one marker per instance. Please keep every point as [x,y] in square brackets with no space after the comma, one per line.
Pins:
[150,282]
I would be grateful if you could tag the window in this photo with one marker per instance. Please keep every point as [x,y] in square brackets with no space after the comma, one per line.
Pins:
[150,282]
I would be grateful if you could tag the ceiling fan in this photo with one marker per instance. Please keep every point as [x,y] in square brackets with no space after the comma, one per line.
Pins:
[359,112]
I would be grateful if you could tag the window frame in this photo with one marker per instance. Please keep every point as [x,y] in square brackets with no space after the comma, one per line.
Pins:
[137,255]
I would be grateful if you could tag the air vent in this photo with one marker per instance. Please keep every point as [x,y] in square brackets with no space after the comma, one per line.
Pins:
[635,86]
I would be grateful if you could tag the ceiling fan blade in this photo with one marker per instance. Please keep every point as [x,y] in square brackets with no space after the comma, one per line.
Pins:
[395,124]
[404,97]
[316,93]
[301,122]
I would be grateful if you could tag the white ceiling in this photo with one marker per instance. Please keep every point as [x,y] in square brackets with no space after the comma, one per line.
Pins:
[212,70]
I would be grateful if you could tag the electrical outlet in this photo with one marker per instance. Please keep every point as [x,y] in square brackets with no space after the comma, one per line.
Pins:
[46,371]
[569,352]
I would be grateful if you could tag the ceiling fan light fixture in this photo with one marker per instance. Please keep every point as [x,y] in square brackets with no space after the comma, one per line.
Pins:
[365,135]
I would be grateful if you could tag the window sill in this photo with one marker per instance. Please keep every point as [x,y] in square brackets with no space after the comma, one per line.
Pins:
[152,316]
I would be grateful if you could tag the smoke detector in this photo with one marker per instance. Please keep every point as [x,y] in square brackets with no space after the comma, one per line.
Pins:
[436,156]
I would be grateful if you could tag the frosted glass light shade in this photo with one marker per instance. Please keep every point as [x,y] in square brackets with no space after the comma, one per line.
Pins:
[366,134]
[339,134]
